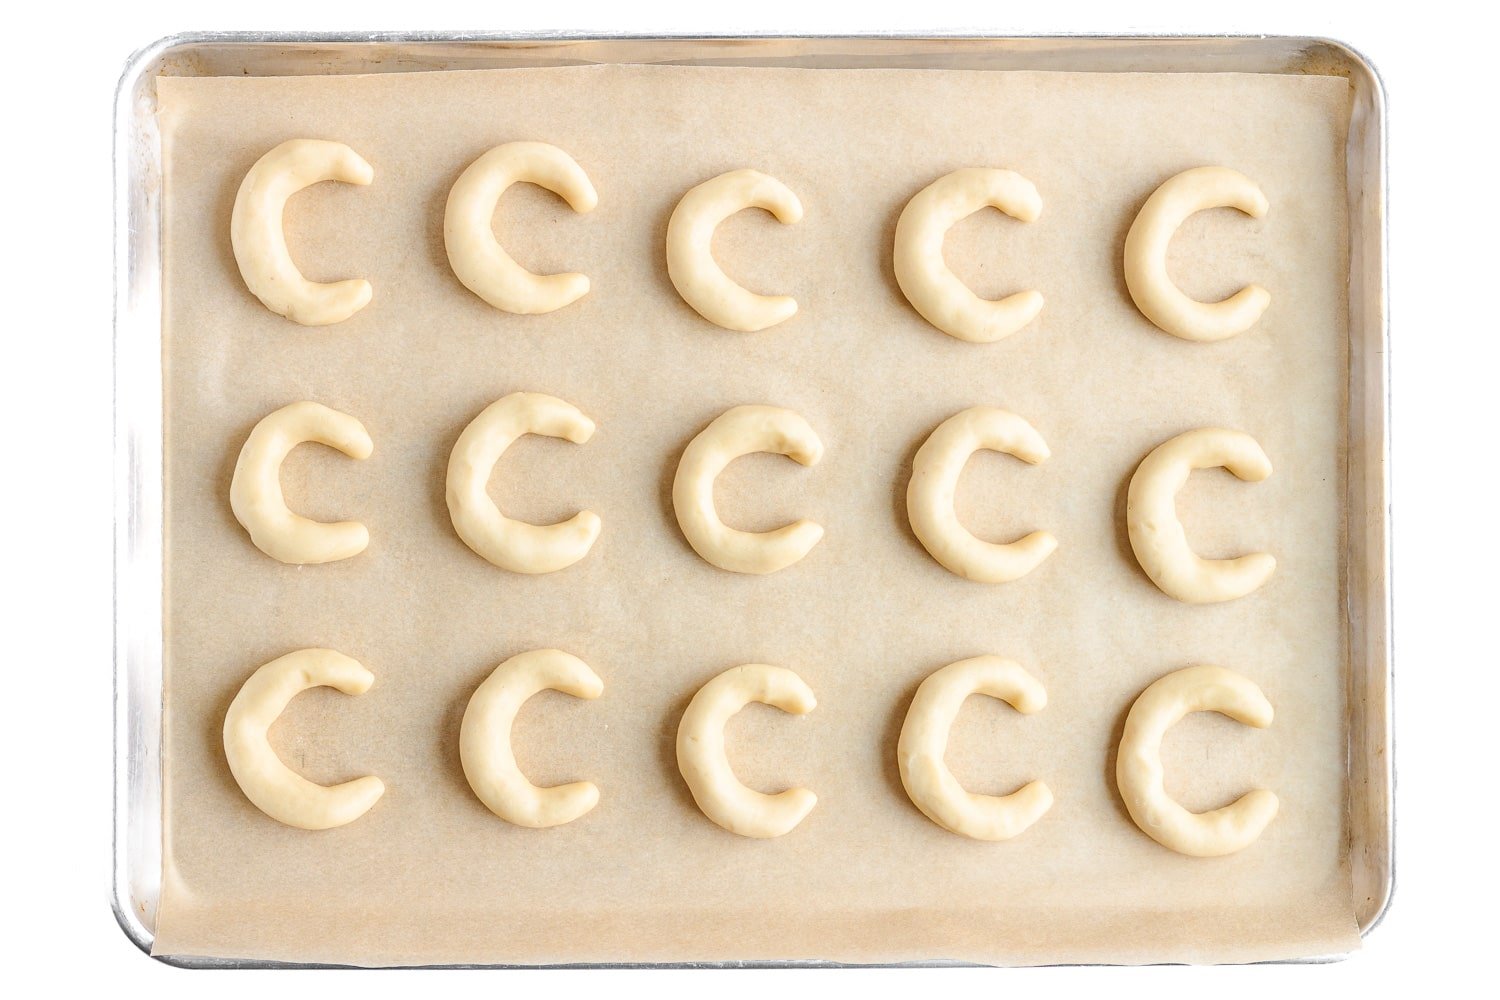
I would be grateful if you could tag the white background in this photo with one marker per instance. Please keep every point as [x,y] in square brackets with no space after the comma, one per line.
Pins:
[1438,62]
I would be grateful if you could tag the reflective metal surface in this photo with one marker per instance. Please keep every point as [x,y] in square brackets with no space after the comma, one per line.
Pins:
[139,578]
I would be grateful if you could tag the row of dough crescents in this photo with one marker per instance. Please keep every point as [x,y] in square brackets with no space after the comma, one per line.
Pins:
[489,762]
[1156,534]
[486,269]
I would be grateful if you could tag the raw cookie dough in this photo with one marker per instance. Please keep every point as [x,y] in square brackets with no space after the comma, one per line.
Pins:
[1138,769]
[735,432]
[690,262]
[934,480]
[923,275]
[705,767]
[478,259]
[924,741]
[255,492]
[1156,535]
[515,545]
[276,789]
[484,739]
[1157,297]
[255,230]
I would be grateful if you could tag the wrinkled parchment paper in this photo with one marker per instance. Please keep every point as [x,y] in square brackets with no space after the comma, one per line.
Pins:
[429,875]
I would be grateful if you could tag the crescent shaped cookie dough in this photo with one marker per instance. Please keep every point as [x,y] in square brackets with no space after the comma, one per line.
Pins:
[515,545]
[277,790]
[736,432]
[1155,294]
[1138,769]
[924,741]
[690,261]
[924,277]
[705,767]
[255,230]
[1157,536]
[255,492]
[484,739]
[478,259]
[934,480]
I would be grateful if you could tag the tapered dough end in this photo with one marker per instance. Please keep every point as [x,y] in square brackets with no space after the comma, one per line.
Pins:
[1029,698]
[798,702]
[806,450]
[587,526]
[789,210]
[565,803]
[357,442]
[1260,807]
[571,287]
[580,431]
[343,673]
[779,309]
[349,801]
[1255,203]
[988,322]
[796,803]
[1253,300]
[1029,553]
[1028,804]
[1026,304]
[353,168]
[1255,710]
[354,539]
[787,546]
[329,303]
[584,199]
[365,792]
[1237,826]
[587,686]
[1257,567]
[762,313]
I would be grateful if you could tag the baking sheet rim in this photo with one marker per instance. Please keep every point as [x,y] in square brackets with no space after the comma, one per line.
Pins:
[130,706]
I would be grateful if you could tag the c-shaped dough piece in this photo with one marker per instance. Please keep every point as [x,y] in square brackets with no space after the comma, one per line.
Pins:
[1156,535]
[924,741]
[934,481]
[738,431]
[276,789]
[923,275]
[515,545]
[1138,769]
[255,492]
[255,230]
[1161,301]
[478,259]
[690,261]
[705,767]
[484,739]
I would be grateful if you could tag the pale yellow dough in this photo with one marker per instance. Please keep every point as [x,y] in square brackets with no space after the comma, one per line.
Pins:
[484,739]
[1155,294]
[255,492]
[1157,536]
[276,789]
[704,765]
[255,231]
[690,261]
[924,742]
[515,545]
[736,432]
[478,259]
[923,275]
[1139,773]
[934,480]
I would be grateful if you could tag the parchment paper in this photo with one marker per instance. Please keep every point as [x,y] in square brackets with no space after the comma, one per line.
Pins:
[429,875]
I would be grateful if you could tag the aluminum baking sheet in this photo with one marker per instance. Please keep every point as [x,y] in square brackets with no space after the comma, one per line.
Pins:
[138,337]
